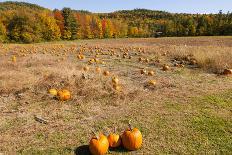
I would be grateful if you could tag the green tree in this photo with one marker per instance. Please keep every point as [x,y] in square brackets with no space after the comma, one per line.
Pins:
[70,24]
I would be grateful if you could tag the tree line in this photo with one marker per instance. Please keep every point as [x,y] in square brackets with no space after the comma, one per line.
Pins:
[27,23]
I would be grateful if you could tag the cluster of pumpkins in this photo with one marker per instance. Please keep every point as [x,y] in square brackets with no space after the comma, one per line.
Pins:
[62,95]
[131,139]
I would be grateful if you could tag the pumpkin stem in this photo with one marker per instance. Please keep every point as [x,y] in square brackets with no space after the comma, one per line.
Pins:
[95,134]
[129,124]
[115,128]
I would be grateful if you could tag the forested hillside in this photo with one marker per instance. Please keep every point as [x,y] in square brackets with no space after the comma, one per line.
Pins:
[25,22]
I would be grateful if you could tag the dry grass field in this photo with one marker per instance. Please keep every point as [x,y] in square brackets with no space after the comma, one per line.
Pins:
[187,111]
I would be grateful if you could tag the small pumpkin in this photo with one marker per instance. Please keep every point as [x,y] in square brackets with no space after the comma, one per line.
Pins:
[152,82]
[227,71]
[151,73]
[115,80]
[106,73]
[63,95]
[14,58]
[143,71]
[193,62]
[114,139]
[52,92]
[81,57]
[99,145]
[166,68]
[86,68]
[116,87]
[132,138]
[98,69]
[140,59]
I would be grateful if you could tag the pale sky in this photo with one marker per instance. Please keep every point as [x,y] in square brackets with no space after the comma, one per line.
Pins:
[175,6]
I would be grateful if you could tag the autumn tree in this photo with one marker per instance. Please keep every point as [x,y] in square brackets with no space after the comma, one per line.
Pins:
[24,28]
[59,20]
[50,30]
[2,32]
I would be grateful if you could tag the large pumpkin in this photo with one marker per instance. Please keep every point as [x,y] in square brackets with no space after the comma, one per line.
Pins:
[132,139]
[99,145]
[64,95]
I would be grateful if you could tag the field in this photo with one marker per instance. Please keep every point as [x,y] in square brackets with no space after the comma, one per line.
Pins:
[188,110]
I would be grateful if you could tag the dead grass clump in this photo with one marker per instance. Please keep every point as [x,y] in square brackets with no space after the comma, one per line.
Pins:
[212,59]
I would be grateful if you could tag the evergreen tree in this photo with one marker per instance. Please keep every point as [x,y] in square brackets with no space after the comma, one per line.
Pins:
[70,24]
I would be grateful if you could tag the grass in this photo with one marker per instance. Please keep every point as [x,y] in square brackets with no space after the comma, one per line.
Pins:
[187,112]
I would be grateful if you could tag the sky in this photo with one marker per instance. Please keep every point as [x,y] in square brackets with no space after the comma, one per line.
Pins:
[174,6]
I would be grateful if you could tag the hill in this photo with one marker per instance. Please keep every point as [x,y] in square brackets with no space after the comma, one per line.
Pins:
[9,5]
[41,24]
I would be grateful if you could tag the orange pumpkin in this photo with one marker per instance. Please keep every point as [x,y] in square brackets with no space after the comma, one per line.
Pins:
[152,82]
[86,68]
[116,87]
[99,145]
[106,73]
[64,95]
[132,138]
[147,60]
[14,58]
[227,71]
[114,139]
[166,67]
[115,80]
[143,71]
[81,57]
[98,69]
[151,73]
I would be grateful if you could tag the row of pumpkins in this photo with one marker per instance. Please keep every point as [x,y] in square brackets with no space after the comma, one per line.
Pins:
[131,139]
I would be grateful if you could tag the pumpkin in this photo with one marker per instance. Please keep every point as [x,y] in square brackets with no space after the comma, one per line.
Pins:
[14,59]
[86,68]
[227,71]
[80,56]
[143,71]
[193,62]
[116,87]
[152,82]
[140,59]
[115,80]
[132,138]
[91,61]
[165,68]
[114,139]
[99,145]
[106,73]
[151,73]
[64,95]
[98,69]
[52,92]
